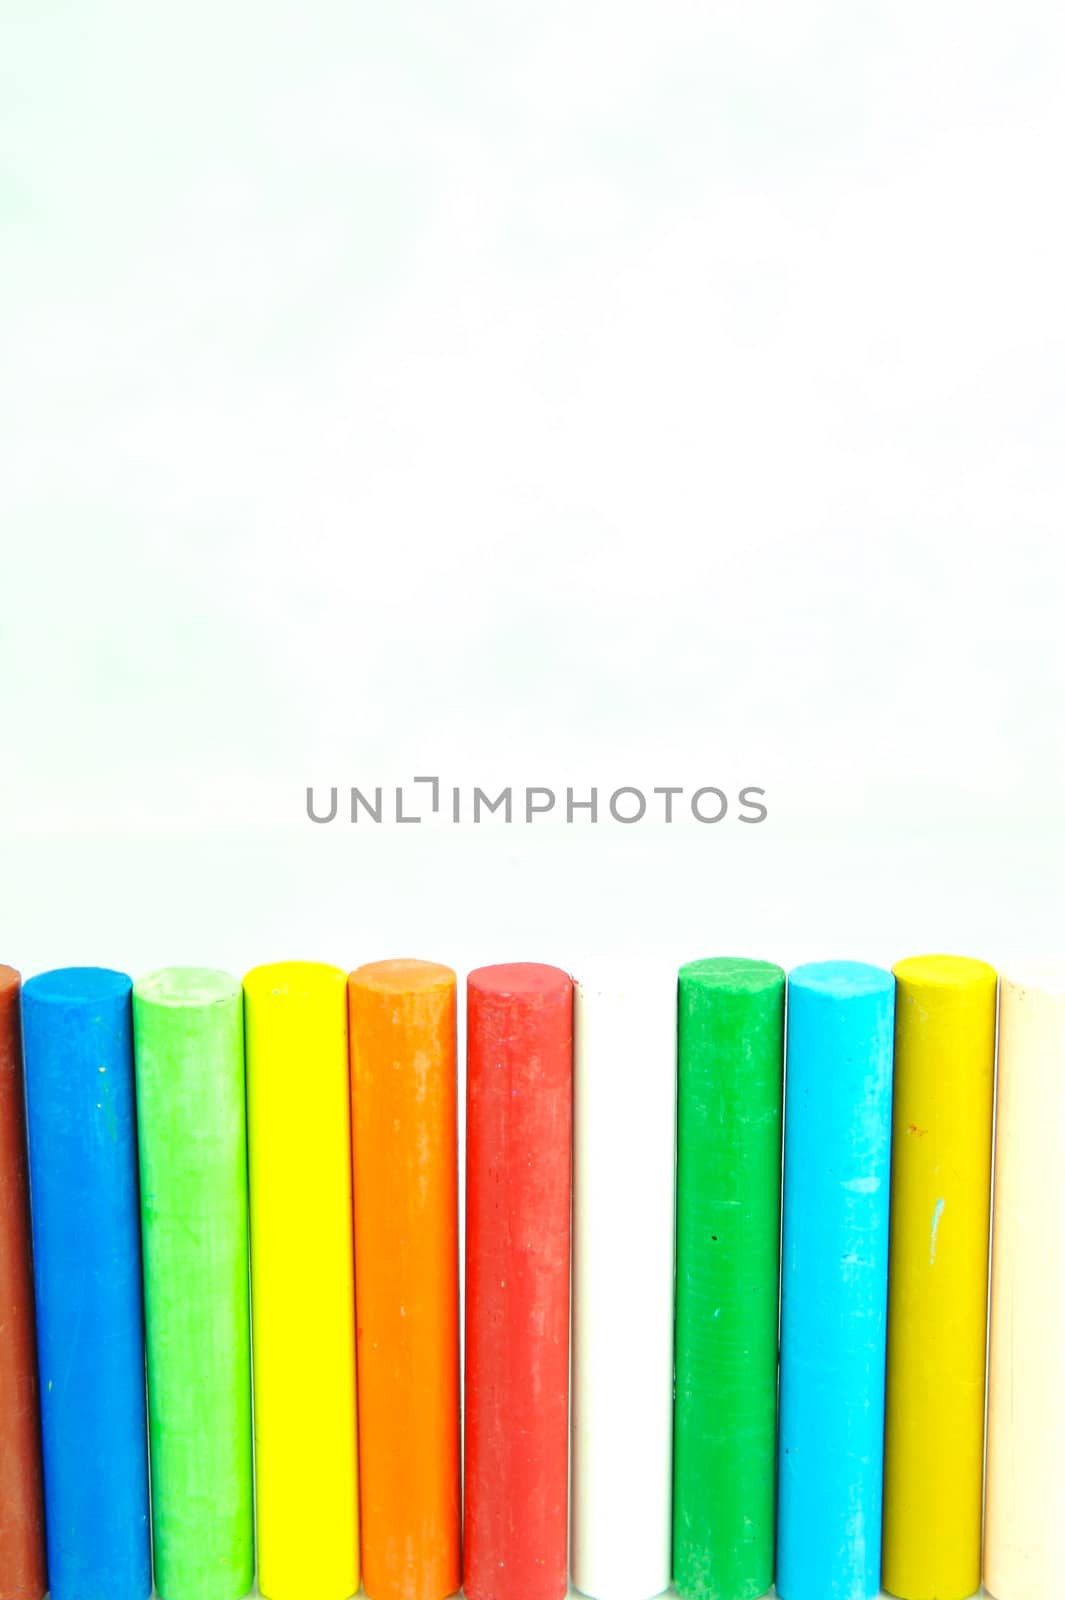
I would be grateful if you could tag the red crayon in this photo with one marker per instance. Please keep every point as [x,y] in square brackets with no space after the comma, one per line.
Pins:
[22,1565]
[518,1119]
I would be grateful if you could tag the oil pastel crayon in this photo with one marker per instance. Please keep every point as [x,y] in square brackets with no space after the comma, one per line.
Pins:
[1024,1531]
[624,1135]
[302,1277]
[404,1121]
[189,1034]
[81,1119]
[937,1277]
[518,1130]
[837,1161]
[731,1083]
[22,1565]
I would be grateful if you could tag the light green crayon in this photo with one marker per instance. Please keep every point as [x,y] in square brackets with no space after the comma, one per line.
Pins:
[189,1041]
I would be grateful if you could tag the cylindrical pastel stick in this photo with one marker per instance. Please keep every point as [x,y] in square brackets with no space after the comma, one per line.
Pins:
[518,1129]
[731,1083]
[81,1120]
[188,1026]
[624,1122]
[404,1114]
[1024,1534]
[22,1569]
[837,1159]
[302,1279]
[937,1278]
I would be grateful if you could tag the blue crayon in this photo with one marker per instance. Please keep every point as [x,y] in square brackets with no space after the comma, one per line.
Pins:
[78,1048]
[837,1165]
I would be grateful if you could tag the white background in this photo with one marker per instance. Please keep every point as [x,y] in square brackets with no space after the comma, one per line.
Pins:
[530,393]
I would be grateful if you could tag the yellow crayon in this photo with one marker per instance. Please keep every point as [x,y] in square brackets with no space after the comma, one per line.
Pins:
[302,1272]
[937,1285]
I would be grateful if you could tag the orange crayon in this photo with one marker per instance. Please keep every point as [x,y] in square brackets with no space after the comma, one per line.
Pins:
[403,1086]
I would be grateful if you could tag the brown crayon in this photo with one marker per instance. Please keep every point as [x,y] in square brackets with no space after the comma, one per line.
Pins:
[22,1563]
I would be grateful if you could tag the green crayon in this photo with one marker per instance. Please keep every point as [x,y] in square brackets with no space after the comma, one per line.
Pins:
[189,1048]
[730,1068]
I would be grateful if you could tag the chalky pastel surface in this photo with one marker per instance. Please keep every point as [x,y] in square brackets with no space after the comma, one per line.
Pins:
[302,1275]
[937,1288]
[518,1127]
[81,1118]
[22,1568]
[730,1041]
[404,1114]
[188,1025]
[623,1198]
[1024,1536]
[837,1161]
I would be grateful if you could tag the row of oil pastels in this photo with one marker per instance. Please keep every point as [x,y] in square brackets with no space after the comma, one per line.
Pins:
[769,1366]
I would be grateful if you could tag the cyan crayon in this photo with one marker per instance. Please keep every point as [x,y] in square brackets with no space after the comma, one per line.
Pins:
[837,1157]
